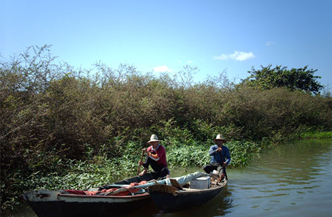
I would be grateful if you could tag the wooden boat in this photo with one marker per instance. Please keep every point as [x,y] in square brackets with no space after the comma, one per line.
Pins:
[175,198]
[62,203]
[115,199]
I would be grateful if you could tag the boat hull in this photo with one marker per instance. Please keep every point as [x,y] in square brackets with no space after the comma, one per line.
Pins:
[63,205]
[172,200]
[47,203]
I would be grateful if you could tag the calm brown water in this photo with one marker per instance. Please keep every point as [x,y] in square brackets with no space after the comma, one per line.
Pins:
[292,180]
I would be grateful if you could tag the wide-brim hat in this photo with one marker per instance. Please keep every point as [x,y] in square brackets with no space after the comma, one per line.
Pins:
[153,138]
[220,137]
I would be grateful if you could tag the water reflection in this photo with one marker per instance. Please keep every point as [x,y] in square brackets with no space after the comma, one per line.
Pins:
[285,181]
[23,211]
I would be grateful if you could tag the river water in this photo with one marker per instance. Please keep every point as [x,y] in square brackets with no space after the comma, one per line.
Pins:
[291,180]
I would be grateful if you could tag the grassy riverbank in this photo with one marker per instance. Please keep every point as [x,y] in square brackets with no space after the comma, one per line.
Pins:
[317,135]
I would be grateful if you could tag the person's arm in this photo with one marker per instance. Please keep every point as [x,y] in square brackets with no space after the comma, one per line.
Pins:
[213,150]
[154,157]
[227,156]
[146,164]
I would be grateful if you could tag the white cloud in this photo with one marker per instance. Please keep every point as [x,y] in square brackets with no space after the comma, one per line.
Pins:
[162,69]
[189,62]
[269,43]
[237,55]
[222,57]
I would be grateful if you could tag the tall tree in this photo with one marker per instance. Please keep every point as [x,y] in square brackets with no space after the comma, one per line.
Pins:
[294,79]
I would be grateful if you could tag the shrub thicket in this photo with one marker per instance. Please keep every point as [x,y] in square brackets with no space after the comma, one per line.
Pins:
[52,113]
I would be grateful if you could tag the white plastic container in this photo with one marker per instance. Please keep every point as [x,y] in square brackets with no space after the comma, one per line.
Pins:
[200,183]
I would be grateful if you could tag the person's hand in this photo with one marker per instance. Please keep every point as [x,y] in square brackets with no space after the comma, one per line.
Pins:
[143,172]
[219,149]
[140,163]
[224,164]
[221,178]
[146,151]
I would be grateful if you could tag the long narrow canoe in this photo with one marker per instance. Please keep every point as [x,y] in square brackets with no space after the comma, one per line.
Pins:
[48,203]
[115,199]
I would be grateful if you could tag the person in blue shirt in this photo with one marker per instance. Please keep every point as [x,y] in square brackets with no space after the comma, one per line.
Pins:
[220,157]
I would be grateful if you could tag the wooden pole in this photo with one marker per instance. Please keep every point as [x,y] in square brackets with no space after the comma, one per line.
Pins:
[139,166]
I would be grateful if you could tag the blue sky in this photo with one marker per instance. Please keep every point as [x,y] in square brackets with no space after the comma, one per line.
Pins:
[166,35]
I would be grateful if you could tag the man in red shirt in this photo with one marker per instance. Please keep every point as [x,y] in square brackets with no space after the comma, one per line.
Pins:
[156,157]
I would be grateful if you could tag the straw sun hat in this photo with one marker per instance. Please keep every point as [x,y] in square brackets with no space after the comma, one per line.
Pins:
[154,138]
[220,137]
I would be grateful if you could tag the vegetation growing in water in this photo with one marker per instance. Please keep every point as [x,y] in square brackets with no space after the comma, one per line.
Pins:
[74,128]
